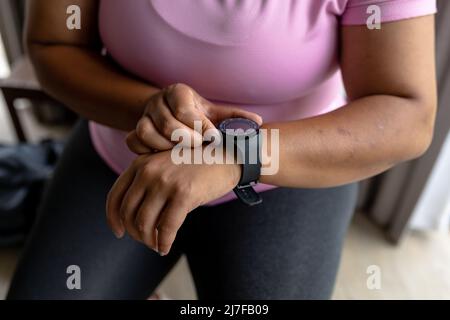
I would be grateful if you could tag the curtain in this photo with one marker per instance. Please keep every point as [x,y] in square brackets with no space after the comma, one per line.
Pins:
[397,191]
[11,25]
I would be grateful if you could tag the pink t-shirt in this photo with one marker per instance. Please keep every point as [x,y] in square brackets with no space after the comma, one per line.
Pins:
[278,58]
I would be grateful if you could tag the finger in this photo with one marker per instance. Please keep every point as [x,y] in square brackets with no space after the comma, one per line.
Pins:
[149,135]
[166,124]
[114,201]
[135,145]
[218,113]
[170,221]
[130,205]
[147,216]
[184,105]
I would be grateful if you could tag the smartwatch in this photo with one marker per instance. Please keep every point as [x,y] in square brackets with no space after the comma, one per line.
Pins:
[243,136]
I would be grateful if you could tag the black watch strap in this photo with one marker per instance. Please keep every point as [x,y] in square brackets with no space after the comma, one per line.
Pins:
[251,171]
[248,195]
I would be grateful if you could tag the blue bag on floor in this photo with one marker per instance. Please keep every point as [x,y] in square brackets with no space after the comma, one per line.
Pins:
[24,170]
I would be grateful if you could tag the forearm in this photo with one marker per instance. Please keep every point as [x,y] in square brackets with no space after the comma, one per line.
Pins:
[362,139]
[90,84]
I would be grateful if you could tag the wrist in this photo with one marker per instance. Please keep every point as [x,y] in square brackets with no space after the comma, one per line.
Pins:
[236,172]
[234,168]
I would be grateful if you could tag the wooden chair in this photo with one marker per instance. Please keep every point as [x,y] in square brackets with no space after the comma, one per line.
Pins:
[22,84]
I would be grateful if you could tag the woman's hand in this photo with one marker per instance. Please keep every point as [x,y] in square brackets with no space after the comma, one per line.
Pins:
[178,107]
[152,198]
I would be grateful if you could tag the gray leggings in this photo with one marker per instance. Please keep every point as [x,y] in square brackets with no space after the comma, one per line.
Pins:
[287,248]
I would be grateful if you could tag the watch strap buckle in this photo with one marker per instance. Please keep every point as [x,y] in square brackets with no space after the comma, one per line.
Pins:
[247,194]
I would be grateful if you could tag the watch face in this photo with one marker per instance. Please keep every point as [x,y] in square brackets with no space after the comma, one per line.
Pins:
[239,127]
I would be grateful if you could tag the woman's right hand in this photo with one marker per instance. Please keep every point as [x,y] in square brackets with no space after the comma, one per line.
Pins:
[178,107]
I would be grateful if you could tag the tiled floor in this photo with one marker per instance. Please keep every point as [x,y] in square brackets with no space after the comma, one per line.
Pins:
[418,269]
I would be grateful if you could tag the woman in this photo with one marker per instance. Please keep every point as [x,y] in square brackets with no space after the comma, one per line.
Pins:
[169,63]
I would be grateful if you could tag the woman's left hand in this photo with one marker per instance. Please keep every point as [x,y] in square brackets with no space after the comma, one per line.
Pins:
[152,198]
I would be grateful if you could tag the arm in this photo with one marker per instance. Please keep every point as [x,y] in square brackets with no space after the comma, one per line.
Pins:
[389,75]
[70,67]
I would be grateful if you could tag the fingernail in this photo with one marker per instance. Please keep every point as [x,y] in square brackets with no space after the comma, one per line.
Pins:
[154,249]
[118,234]
[162,254]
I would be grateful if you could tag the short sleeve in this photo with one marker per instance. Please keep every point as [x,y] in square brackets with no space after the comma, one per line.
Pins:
[356,11]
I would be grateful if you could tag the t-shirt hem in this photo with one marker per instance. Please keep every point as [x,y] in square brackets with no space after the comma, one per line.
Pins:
[100,148]
[390,11]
